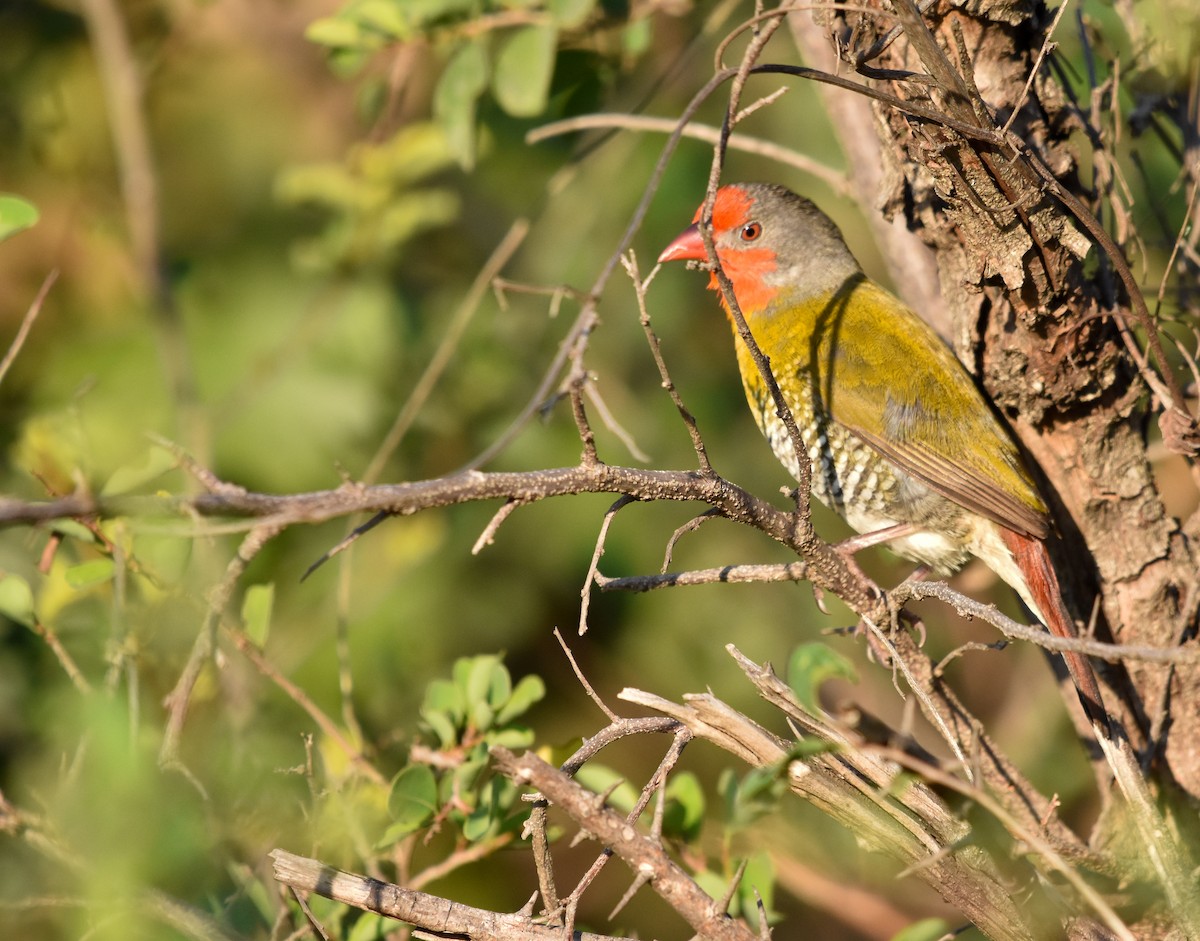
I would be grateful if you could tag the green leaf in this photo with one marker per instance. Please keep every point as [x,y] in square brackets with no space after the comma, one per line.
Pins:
[91,573]
[455,98]
[570,13]
[927,929]
[467,775]
[154,463]
[514,737]
[748,799]
[444,710]
[599,778]
[370,927]
[637,37]
[479,823]
[524,66]
[460,673]
[499,687]
[384,16]
[812,664]
[442,727]
[16,600]
[16,214]
[73,530]
[529,690]
[337,32]
[759,875]
[256,612]
[685,806]
[479,679]
[413,799]
[447,697]
[482,716]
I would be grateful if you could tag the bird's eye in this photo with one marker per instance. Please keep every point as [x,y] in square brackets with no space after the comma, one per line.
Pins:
[751,231]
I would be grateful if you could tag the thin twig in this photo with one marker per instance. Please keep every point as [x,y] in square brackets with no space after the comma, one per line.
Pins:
[689,420]
[835,179]
[35,308]
[204,646]
[583,680]
[592,391]
[1048,46]
[585,593]
[251,652]
[489,531]
[680,531]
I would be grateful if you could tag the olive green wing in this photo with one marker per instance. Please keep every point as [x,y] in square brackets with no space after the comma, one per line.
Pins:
[898,387]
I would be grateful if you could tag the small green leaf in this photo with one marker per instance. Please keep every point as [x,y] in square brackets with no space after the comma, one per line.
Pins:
[384,16]
[529,690]
[637,37]
[759,876]
[479,679]
[599,778]
[442,727]
[16,214]
[482,716]
[524,66]
[927,929]
[91,573]
[256,612]
[467,775]
[749,798]
[73,530]
[16,600]
[812,664]
[569,14]
[460,673]
[454,100]
[447,697]
[479,823]
[335,31]
[154,463]
[413,799]
[370,927]
[500,687]
[685,806]
[512,738]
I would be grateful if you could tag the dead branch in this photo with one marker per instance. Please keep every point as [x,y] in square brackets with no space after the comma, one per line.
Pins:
[440,917]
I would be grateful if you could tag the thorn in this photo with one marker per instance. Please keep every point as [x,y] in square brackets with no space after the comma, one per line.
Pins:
[347,542]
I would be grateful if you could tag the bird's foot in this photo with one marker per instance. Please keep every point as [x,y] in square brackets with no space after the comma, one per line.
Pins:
[881,652]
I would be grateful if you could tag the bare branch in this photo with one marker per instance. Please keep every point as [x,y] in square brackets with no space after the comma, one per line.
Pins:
[35,308]
[438,916]
[835,179]
[639,852]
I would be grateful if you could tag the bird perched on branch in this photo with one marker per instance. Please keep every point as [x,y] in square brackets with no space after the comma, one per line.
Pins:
[901,442]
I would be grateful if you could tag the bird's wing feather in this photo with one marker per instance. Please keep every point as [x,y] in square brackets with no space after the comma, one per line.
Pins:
[932,422]
[960,483]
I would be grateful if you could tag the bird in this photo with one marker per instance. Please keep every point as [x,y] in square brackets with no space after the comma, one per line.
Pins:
[902,443]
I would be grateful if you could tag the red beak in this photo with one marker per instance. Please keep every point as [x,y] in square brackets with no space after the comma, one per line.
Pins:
[688,246]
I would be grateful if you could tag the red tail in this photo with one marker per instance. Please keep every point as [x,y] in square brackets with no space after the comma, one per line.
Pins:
[1034,562]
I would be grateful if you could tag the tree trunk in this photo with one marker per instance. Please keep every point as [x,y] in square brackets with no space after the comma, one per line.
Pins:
[1036,312]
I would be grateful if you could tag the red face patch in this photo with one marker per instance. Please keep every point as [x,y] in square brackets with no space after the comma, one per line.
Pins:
[731,210]
[745,266]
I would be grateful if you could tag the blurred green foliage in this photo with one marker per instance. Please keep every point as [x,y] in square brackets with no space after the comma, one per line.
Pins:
[317,229]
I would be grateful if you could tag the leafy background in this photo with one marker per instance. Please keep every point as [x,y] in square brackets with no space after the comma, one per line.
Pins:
[330,180]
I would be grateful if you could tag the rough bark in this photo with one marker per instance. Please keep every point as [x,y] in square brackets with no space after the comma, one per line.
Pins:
[1041,330]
